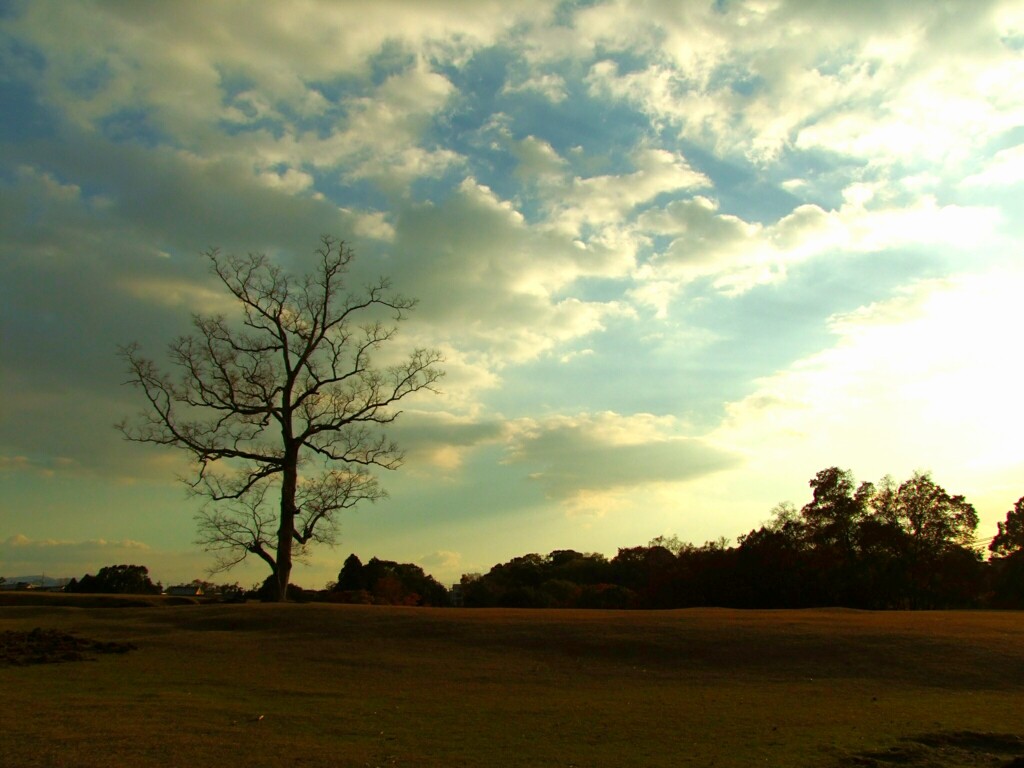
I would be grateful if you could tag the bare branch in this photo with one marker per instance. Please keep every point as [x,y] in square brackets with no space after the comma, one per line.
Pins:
[232,534]
[286,391]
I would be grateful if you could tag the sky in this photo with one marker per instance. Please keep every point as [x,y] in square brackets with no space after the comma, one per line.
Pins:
[678,256]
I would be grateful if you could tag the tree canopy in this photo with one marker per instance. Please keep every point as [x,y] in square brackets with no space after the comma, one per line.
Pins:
[860,545]
[1010,539]
[116,579]
[387,582]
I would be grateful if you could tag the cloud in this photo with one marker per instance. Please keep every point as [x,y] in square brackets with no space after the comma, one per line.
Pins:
[580,457]
[284,56]
[925,379]
[550,86]
[279,126]
[604,200]
[43,467]
[539,163]
[21,555]
[20,541]
[444,565]
[701,234]
[1005,169]
[440,442]
[178,293]
[739,255]
[590,464]
[757,80]
[474,264]
[748,79]
[574,354]
[382,130]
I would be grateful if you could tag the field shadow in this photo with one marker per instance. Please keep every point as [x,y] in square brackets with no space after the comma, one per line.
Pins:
[947,749]
[51,646]
[780,646]
[761,646]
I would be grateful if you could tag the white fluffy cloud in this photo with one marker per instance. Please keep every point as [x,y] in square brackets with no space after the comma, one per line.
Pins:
[489,282]
[739,255]
[602,200]
[892,84]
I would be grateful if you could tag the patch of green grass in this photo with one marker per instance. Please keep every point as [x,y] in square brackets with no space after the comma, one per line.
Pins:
[333,685]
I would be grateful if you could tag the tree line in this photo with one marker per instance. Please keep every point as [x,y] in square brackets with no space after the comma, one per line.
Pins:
[872,546]
[378,582]
[116,580]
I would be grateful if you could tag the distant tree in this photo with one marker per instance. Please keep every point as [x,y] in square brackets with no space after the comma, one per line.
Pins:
[561,593]
[1008,562]
[785,517]
[832,520]
[562,557]
[707,575]
[835,510]
[932,517]
[1010,538]
[387,582]
[883,574]
[868,546]
[116,579]
[942,564]
[477,591]
[774,566]
[350,577]
[403,584]
[536,581]
[288,399]
[649,572]
[527,571]
[576,567]
[672,543]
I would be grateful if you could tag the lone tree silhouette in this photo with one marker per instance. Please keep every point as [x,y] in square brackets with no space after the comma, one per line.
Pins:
[286,404]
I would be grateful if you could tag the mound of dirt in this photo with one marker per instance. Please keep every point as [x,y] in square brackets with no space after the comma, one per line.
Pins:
[50,646]
[962,749]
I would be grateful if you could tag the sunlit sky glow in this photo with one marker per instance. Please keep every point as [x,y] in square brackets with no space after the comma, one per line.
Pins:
[679,256]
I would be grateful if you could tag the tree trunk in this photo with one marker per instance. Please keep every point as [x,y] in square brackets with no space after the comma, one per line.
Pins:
[281,579]
[285,532]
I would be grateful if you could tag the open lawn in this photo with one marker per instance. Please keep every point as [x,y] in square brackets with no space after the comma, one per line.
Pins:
[331,685]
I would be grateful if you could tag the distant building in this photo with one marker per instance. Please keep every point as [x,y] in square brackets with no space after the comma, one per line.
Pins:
[456,595]
[185,590]
[34,583]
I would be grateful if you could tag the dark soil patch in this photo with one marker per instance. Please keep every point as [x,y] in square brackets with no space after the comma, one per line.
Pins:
[21,599]
[50,646]
[963,749]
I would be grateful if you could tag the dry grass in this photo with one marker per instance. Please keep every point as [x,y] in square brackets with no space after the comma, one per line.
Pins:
[369,686]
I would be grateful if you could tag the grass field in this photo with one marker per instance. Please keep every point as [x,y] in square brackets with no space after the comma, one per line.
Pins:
[330,685]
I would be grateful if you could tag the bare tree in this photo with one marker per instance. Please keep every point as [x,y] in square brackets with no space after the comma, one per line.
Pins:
[289,400]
